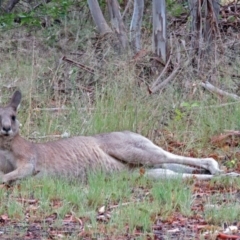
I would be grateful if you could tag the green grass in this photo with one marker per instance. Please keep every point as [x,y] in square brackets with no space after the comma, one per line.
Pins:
[130,204]
[131,201]
[227,213]
[172,196]
[114,98]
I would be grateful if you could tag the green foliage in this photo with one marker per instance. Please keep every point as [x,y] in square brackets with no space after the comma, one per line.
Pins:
[232,163]
[36,17]
[174,8]
[189,105]
[57,9]
[102,3]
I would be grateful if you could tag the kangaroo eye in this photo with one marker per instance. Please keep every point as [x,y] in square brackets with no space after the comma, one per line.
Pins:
[13,118]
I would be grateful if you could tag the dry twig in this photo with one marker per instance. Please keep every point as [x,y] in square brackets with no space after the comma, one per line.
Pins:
[159,85]
[90,70]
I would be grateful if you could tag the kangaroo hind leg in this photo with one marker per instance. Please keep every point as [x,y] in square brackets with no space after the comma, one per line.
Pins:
[138,150]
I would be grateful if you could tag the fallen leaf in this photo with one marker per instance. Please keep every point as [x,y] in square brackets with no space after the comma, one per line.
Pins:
[227,236]
[142,171]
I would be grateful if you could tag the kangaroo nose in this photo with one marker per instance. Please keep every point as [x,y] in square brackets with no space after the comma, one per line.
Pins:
[6,129]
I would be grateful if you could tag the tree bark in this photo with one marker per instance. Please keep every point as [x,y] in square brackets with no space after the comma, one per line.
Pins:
[136,24]
[11,5]
[204,25]
[98,17]
[117,22]
[210,30]
[159,29]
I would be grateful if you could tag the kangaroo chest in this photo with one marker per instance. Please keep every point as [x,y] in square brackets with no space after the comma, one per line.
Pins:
[7,161]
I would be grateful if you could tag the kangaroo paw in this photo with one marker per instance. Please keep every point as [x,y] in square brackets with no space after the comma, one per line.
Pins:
[213,166]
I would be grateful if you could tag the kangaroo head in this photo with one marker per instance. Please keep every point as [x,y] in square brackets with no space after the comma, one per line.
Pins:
[9,125]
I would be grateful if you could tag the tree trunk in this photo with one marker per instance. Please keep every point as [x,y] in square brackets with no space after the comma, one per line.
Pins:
[136,24]
[117,22]
[204,25]
[159,29]
[210,30]
[195,34]
[98,17]
[11,5]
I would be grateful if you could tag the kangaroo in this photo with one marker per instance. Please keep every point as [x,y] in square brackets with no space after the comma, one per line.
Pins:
[73,157]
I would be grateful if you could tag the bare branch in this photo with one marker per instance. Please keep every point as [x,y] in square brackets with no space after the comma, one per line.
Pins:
[207,85]
[159,85]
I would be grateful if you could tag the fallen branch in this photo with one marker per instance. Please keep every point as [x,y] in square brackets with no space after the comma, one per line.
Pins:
[25,200]
[54,109]
[215,106]
[157,85]
[207,85]
[122,205]
[90,70]
[233,132]
[40,4]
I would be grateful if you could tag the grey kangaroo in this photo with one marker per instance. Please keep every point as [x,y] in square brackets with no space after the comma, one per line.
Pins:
[73,157]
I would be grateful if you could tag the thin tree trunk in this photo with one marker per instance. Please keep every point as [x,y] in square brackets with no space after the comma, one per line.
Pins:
[193,5]
[204,25]
[11,5]
[98,17]
[117,22]
[211,25]
[136,24]
[159,29]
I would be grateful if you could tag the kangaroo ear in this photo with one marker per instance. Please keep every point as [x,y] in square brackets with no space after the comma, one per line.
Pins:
[15,101]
